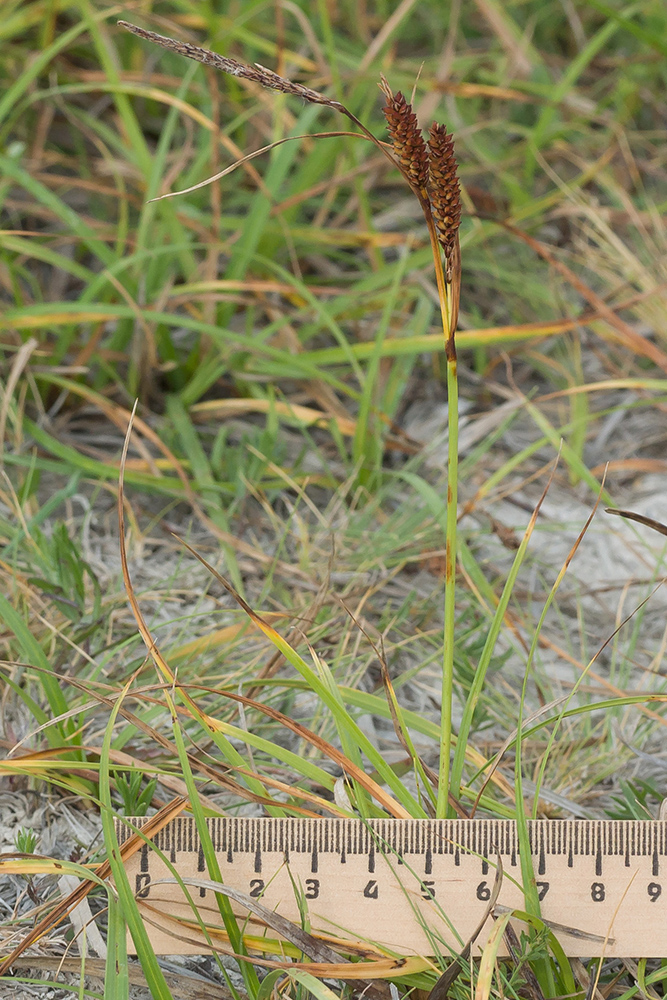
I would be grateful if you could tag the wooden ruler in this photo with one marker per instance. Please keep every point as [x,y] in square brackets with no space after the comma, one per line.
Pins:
[413,886]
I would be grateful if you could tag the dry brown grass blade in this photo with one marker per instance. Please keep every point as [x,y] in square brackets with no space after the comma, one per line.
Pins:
[215,772]
[171,782]
[650,522]
[20,362]
[390,25]
[494,763]
[324,747]
[315,949]
[120,415]
[324,805]
[605,682]
[103,871]
[517,48]
[254,617]
[376,964]
[251,156]
[629,337]
[211,724]
[221,637]
[625,466]
[221,778]
[587,983]
[144,631]
[34,756]
[309,416]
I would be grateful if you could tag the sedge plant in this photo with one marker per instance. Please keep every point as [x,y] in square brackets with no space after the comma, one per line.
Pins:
[430,169]
[428,166]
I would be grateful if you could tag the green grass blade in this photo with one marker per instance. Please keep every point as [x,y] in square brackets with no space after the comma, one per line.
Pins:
[157,984]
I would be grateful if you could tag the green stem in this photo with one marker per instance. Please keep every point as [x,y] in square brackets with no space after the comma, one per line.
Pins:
[450,587]
[448,322]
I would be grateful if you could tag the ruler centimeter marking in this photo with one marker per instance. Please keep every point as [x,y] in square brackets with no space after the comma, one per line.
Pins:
[413,886]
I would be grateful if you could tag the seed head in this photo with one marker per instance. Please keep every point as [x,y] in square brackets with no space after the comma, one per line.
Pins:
[256,74]
[406,137]
[444,188]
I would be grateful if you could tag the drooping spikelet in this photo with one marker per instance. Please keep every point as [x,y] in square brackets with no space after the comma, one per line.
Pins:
[256,74]
[406,137]
[444,189]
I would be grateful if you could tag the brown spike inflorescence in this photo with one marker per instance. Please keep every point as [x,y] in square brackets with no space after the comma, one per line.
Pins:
[444,189]
[430,168]
[406,138]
